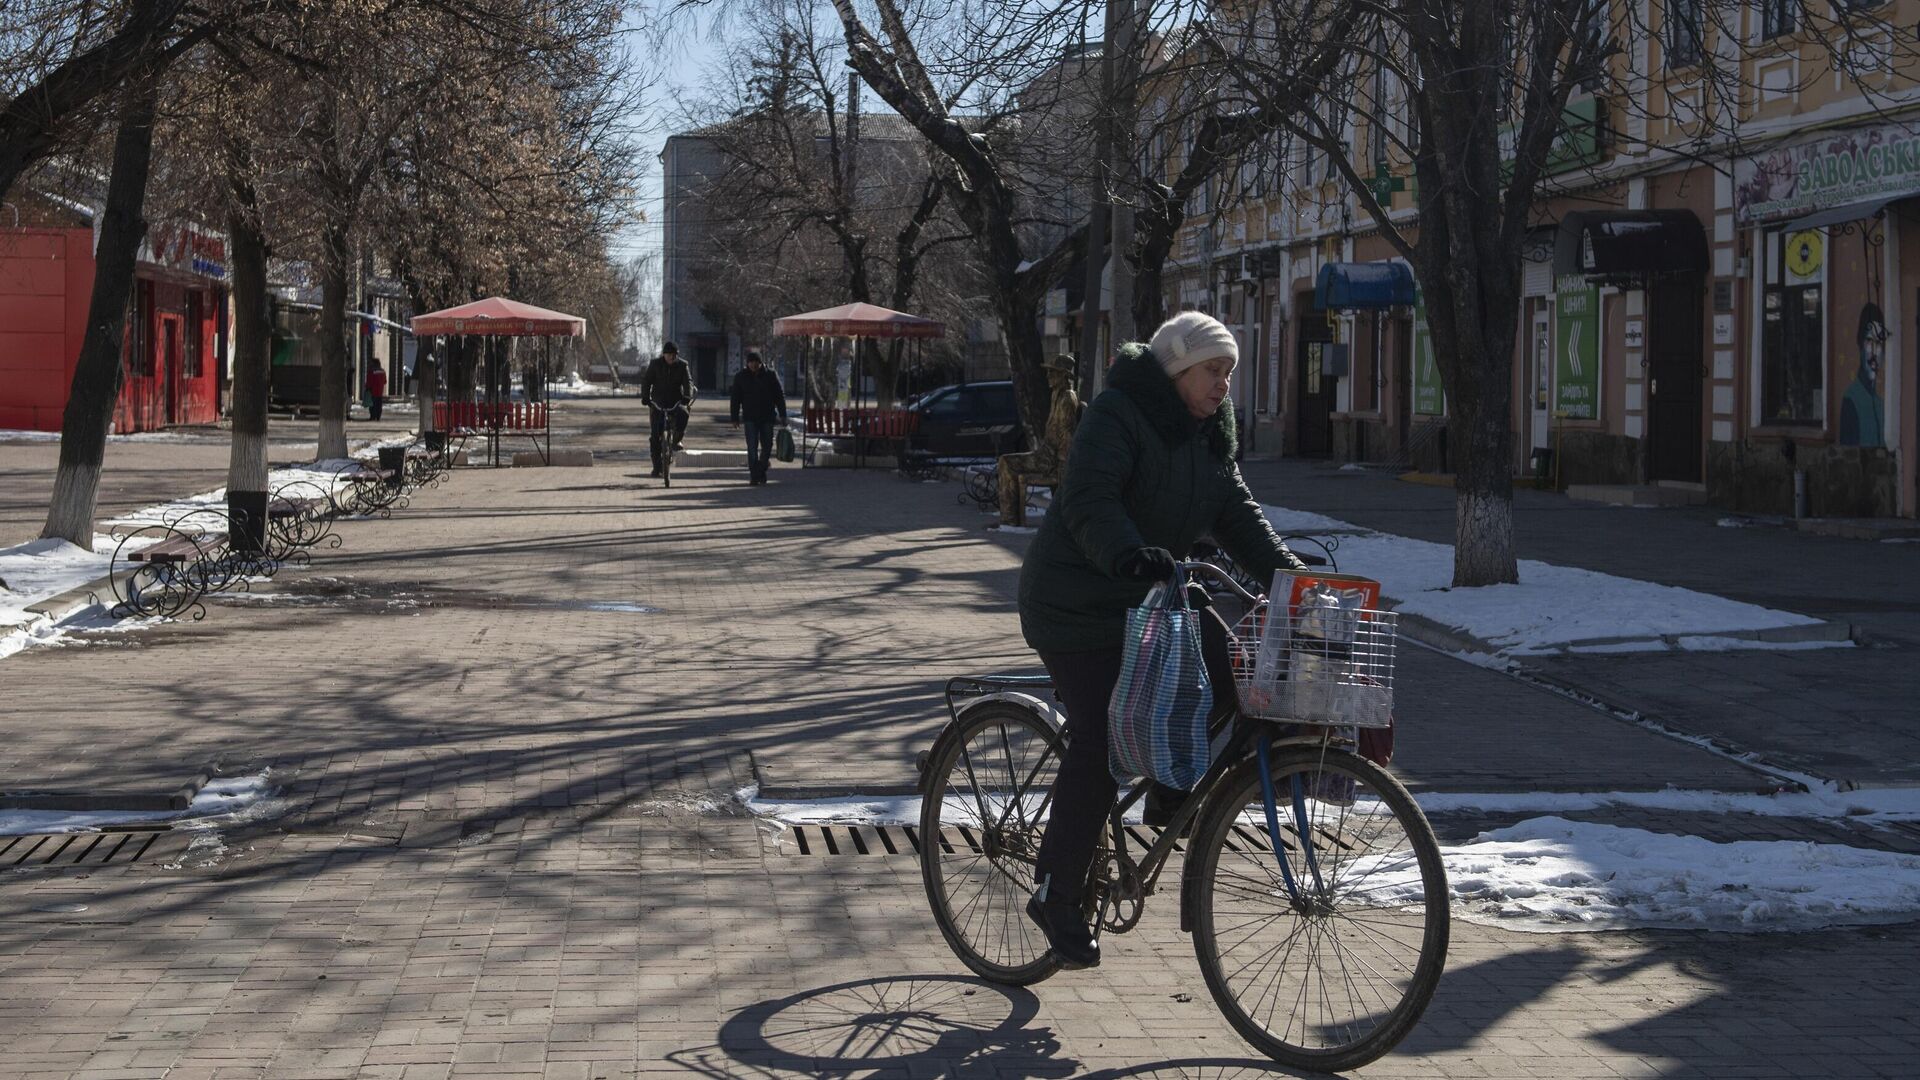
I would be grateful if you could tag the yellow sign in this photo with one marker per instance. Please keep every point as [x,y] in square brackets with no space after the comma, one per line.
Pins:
[1805,253]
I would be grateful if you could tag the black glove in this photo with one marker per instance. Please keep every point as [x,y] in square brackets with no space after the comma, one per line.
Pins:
[1147,564]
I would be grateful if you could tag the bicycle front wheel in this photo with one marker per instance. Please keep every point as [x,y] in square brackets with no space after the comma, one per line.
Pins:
[987,795]
[1328,962]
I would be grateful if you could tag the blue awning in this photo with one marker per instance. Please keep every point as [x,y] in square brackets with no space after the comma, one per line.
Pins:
[1347,286]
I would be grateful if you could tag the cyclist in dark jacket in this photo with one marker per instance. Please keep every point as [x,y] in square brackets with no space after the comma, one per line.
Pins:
[759,398]
[1151,472]
[666,383]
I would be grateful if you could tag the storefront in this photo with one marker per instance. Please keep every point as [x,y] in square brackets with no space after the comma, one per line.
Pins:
[1829,227]
[175,332]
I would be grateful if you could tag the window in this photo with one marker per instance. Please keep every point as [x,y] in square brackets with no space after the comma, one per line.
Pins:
[1793,329]
[945,406]
[1685,33]
[1776,17]
[994,405]
[194,368]
[140,332]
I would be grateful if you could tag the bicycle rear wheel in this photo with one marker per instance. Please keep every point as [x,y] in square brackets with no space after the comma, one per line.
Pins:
[987,788]
[1330,963]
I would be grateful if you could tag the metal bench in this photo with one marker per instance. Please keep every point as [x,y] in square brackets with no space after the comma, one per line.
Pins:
[163,569]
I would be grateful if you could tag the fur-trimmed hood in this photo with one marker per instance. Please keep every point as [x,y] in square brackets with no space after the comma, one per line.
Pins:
[1138,375]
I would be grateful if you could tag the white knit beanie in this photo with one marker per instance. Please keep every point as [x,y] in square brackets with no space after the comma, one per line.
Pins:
[1192,337]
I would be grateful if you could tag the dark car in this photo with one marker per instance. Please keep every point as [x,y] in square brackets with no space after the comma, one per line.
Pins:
[969,420]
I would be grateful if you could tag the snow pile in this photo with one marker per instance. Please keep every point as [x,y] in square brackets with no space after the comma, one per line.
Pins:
[576,386]
[1552,608]
[223,801]
[1552,874]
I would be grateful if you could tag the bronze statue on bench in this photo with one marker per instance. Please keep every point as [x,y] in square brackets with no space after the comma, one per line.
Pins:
[1046,463]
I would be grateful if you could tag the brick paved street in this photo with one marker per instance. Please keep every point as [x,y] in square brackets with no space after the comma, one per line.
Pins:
[509,721]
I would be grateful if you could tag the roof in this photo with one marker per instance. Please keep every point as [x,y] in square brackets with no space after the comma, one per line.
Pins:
[858,321]
[499,317]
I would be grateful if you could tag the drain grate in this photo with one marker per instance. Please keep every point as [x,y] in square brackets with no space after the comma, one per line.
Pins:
[906,840]
[78,849]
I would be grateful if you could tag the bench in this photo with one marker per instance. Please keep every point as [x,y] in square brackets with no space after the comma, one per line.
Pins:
[368,491]
[170,574]
[299,518]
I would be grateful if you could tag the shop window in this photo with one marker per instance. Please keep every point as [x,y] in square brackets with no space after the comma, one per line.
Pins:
[140,332]
[1793,329]
[194,367]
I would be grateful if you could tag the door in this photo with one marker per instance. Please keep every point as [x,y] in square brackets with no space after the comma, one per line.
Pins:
[1313,404]
[1541,357]
[1674,371]
[172,365]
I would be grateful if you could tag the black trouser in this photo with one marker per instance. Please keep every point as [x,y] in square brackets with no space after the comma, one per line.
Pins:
[1084,791]
[657,418]
[374,402]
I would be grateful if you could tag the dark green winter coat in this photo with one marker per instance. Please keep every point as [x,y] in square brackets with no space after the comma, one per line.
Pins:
[1142,473]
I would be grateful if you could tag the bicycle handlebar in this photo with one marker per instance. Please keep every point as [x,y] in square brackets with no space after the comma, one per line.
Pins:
[1222,575]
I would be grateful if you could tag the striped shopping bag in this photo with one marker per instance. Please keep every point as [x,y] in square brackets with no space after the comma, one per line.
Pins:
[1157,718]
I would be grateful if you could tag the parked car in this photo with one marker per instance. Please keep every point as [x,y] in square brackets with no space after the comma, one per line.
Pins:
[967,420]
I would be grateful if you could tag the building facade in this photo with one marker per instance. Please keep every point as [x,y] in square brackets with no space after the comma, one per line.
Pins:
[174,369]
[1730,323]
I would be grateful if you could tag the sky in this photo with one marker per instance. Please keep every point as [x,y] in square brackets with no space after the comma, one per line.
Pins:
[692,52]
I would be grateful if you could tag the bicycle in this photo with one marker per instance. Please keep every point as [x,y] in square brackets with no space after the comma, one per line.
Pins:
[1312,883]
[670,443]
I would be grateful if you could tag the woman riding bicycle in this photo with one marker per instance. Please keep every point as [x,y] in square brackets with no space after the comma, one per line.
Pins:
[1151,472]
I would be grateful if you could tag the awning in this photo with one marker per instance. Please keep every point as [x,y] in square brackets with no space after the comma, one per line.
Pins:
[1348,286]
[1866,208]
[497,317]
[1627,246]
[858,321]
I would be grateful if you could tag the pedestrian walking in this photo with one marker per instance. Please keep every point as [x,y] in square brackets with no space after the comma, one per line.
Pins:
[376,389]
[758,399]
[1150,472]
[667,385]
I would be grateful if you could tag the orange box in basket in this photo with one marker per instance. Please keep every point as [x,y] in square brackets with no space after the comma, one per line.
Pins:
[1290,585]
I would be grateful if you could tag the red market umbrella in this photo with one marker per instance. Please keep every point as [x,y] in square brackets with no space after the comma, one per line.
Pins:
[496,317]
[858,321]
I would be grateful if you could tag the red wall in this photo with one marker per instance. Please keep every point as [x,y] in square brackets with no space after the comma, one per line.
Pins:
[46,282]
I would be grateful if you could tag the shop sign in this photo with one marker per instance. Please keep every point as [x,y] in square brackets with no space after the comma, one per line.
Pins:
[1429,394]
[177,247]
[1833,169]
[1576,366]
[1576,144]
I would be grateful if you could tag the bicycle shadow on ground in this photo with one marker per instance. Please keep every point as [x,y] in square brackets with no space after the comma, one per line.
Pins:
[898,1025]
[920,1025]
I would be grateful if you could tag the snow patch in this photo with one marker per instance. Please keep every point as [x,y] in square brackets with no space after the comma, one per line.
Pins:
[220,802]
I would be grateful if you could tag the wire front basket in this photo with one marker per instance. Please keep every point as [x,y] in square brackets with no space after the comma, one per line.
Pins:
[1316,665]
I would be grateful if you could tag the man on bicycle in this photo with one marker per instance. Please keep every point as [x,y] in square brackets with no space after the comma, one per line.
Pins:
[665,388]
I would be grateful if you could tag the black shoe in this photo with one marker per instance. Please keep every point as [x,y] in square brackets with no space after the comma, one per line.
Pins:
[656,472]
[1163,803]
[1073,943]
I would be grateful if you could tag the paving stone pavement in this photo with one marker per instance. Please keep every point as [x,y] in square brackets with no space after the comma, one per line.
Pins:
[509,721]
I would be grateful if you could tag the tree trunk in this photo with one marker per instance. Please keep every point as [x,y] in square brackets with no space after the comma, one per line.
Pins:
[96,376]
[335,267]
[252,357]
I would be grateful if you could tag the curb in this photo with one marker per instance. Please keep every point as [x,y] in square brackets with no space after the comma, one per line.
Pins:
[77,600]
[777,792]
[178,799]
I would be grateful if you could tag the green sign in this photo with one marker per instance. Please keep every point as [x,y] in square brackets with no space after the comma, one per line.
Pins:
[1576,349]
[1429,395]
[1576,143]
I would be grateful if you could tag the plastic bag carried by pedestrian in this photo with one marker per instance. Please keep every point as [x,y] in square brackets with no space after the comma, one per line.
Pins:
[1157,717]
[783,443]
